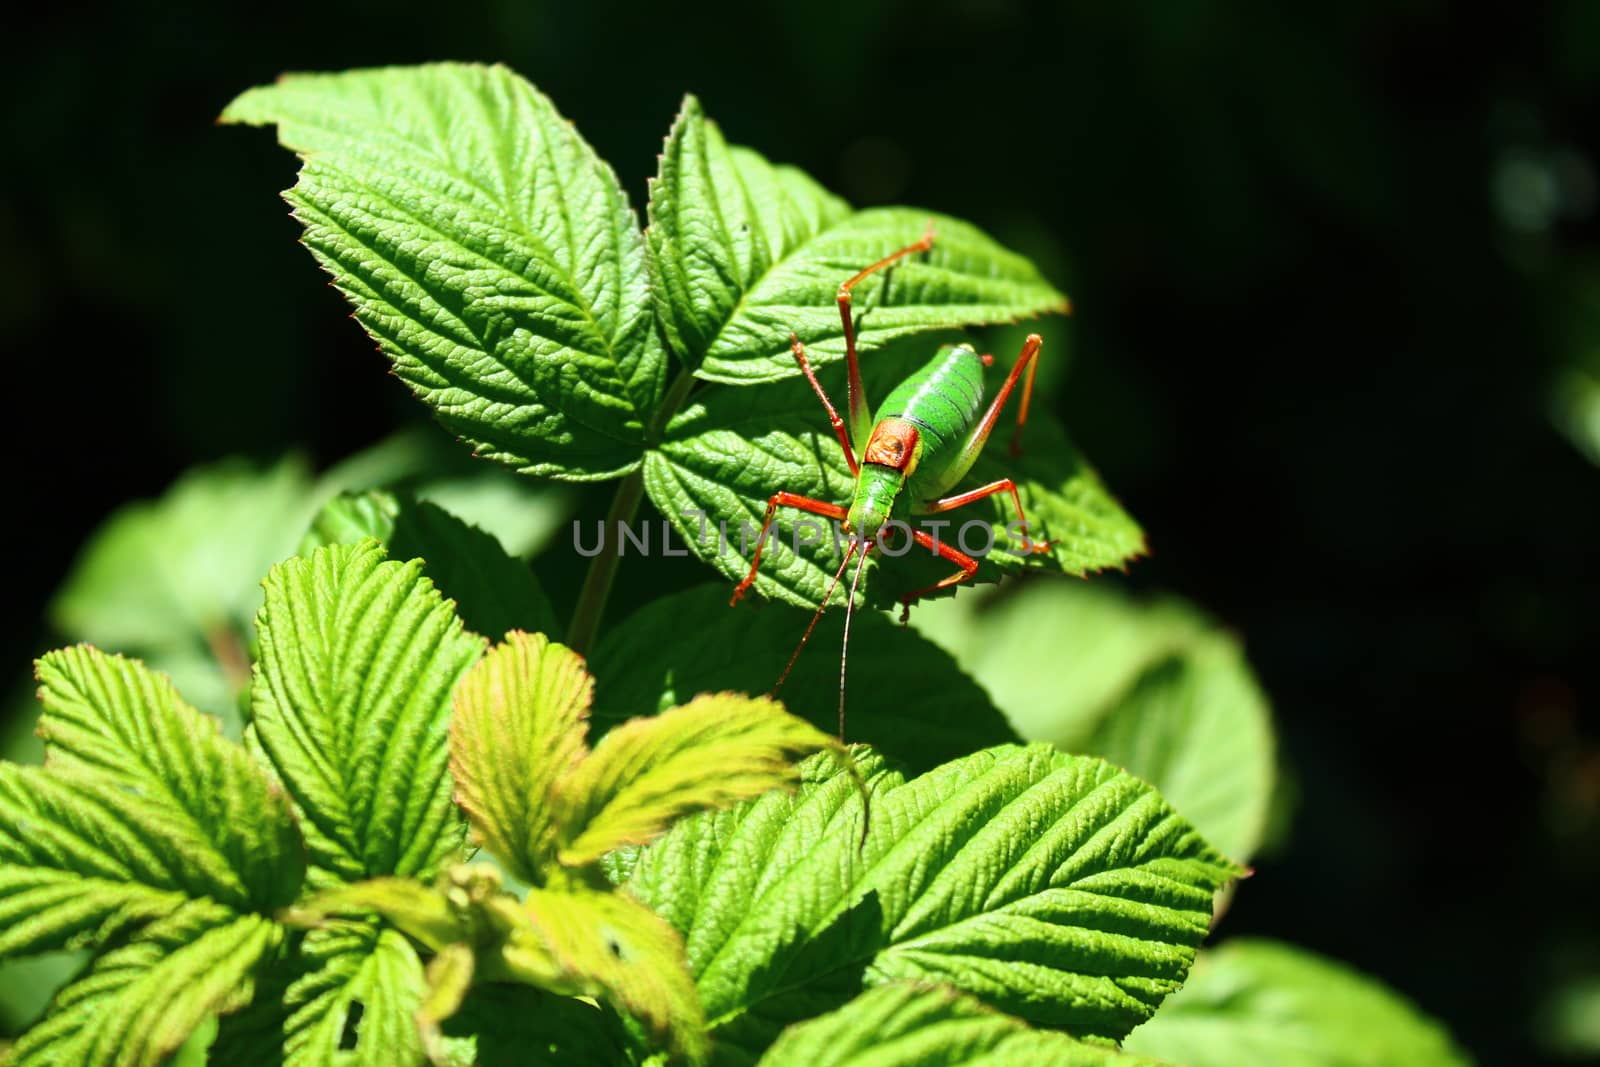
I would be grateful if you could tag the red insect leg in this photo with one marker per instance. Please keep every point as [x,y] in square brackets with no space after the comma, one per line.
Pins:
[774,502]
[799,351]
[1004,485]
[860,416]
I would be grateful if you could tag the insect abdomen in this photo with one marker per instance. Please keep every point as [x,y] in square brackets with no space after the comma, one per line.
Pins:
[942,399]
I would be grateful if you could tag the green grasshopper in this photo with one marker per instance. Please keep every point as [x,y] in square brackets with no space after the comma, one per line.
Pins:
[926,436]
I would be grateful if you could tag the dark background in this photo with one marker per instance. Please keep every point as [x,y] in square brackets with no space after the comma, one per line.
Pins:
[1328,263]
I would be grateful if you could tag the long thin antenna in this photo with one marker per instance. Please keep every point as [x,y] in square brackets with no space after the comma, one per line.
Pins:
[784,677]
[844,648]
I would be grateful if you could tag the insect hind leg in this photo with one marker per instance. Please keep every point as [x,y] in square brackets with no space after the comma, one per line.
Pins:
[774,502]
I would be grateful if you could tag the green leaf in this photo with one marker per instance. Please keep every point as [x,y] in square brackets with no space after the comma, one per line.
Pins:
[426,463]
[493,592]
[352,517]
[75,868]
[906,1025]
[177,579]
[722,218]
[359,656]
[346,998]
[140,1002]
[216,809]
[1253,1001]
[743,252]
[609,946]
[1053,887]
[1575,410]
[1153,687]
[486,248]
[163,573]
[519,726]
[712,752]
[728,451]
[27,984]
[142,807]
[966,279]
[692,642]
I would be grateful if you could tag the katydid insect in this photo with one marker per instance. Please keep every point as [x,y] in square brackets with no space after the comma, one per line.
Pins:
[922,442]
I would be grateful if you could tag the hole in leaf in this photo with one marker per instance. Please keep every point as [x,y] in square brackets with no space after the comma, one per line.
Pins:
[351,1034]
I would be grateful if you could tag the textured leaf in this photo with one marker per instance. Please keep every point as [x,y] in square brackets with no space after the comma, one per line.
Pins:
[142,806]
[493,592]
[712,752]
[905,1025]
[1264,1002]
[488,251]
[743,252]
[215,807]
[347,998]
[966,279]
[359,656]
[75,867]
[653,660]
[611,947]
[721,218]
[519,725]
[140,1002]
[1155,688]
[729,450]
[1053,887]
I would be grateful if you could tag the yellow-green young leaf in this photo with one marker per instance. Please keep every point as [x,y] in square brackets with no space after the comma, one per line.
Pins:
[359,657]
[609,946]
[486,248]
[347,997]
[140,1002]
[217,810]
[520,720]
[912,1025]
[420,910]
[1255,1001]
[716,750]
[449,979]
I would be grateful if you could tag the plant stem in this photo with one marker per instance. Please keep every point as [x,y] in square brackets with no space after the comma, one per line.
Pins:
[603,570]
[228,649]
[597,583]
